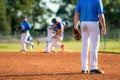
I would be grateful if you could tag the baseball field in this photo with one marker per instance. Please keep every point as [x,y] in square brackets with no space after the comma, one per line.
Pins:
[37,65]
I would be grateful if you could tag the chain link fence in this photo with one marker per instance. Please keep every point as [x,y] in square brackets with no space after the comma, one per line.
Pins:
[113,34]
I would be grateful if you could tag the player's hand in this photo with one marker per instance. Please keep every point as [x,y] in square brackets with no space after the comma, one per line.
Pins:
[75,27]
[103,31]
[18,28]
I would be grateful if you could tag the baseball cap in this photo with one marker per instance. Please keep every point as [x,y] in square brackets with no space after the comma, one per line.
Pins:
[54,20]
[24,17]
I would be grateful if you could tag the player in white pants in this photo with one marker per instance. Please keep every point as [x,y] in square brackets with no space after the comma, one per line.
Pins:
[50,34]
[90,12]
[52,42]
[24,28]
[57,38]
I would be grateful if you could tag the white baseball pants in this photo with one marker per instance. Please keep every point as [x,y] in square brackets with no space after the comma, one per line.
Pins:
[24,37]
[49,36]
[90,32]
[56,42]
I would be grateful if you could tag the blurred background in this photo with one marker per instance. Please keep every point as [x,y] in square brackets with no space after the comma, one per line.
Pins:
[40,13]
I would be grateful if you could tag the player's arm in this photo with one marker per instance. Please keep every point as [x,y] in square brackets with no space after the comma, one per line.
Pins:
[101,17]
[76,15]
[18,28]
[76,19]
[102,22]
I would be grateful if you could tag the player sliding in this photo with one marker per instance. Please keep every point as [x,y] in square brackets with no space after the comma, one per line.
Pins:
[54,35]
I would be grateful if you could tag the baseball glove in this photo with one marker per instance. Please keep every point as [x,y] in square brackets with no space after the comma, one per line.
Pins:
[58,32]
[76,33]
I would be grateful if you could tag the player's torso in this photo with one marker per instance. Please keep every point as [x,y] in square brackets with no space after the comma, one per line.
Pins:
[88,10]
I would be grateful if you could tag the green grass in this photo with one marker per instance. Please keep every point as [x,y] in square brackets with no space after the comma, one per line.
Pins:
[109,46]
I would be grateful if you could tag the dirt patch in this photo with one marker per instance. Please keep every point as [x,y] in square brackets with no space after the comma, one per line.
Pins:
[54,66]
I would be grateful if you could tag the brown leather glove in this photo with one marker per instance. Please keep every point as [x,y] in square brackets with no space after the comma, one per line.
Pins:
[76,33]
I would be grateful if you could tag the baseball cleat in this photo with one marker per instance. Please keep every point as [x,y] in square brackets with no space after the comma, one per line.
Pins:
[23,51]
[46,51]
[96,71]
[62,47]
[84,71]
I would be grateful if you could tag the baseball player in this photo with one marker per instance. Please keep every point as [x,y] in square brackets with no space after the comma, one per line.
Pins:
[90,13]
[24,28]
[58,37]
[56,40]
[50,33]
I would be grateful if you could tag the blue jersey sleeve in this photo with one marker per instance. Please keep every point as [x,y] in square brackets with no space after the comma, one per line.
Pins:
[58,26]
[100,7]
[77,9]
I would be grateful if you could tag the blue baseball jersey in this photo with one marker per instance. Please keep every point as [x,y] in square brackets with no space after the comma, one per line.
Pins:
[89,9]
[58,26]
[25,25]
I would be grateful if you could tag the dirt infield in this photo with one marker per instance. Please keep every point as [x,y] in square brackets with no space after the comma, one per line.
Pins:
[54,66]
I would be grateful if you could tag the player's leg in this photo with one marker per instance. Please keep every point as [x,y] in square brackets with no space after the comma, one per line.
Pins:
[52,48]
[49,34]
[24,37]
[94,40]
[49,39]
[53,44]
[30,45]
[57,43]
[29,42]
[48,47]
[60,44]
[85,44]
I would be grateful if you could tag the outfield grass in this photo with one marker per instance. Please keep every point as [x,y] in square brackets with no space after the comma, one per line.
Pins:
[109,46]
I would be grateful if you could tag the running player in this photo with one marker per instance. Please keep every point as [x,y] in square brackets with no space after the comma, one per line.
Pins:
[24,28]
